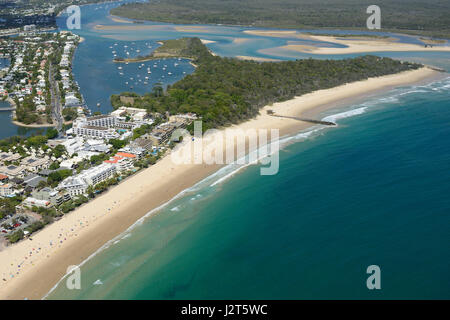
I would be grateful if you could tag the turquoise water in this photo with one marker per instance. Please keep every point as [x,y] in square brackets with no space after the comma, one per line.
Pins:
[371,191]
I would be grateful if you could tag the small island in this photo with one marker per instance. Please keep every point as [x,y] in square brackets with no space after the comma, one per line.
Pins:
[180,48]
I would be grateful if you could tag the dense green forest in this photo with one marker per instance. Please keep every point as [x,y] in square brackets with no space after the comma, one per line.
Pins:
[426,17]
[228,90]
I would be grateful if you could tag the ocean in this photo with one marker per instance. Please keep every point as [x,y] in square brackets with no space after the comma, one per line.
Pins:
[371,191]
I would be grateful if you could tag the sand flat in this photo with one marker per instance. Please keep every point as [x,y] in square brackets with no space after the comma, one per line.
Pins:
[30,269]
[132,27]
[119,19]
[359,45]
[278,33]
[257,59]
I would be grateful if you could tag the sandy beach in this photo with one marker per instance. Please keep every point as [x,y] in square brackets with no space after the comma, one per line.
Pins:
[31,268]
[119,19]
[359,45]
[256,59]
[132,27]
[278,33]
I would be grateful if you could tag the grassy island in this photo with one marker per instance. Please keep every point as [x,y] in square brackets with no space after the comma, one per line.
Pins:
[228,90]
[187,48]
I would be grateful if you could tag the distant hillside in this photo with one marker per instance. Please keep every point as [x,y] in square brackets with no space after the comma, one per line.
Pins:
[425,17]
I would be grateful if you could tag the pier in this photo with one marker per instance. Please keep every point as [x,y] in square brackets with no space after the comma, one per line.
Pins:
[326,123]
[6,109]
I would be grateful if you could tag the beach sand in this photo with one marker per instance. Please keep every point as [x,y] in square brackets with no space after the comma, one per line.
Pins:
[31,268]
[256,59]
[205,41]
[359,45]
[132,27]
[278,33]
[119,19]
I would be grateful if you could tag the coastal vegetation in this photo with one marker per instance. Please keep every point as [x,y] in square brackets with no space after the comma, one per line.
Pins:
[186,48]
[428,18]
[223,90]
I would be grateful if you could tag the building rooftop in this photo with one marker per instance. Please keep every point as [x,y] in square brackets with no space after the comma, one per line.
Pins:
[126,155]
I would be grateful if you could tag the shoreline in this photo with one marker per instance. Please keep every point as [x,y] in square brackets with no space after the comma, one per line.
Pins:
[83,232]
[355,45]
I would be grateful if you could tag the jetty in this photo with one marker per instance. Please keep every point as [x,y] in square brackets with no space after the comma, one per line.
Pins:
[326,123]
[7,109]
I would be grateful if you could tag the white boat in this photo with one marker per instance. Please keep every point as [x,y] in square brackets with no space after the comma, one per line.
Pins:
[120,68]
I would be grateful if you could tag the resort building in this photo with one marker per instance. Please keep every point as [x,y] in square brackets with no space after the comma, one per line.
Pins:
[73,145]
[136,151]
[51,195]
[74,186]
[7,156]
[32,181]
[35,164]
[78,184]
[101,121]
[4,178]
[121,163]
[32,202]
[13,171]
[6,190]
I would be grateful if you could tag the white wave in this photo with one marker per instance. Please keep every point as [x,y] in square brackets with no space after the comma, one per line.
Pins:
[98,283]
[177,208]
[346,114]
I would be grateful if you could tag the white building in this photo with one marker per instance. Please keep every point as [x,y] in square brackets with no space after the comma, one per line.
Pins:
[73,145]
[6,190]
[78,184]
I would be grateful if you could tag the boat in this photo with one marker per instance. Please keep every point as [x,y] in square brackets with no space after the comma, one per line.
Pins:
[120,68]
